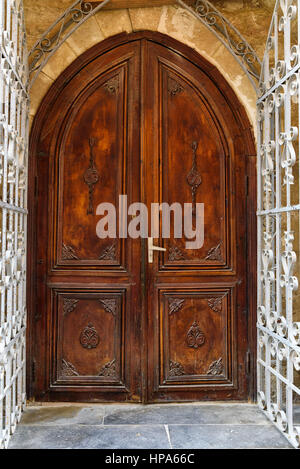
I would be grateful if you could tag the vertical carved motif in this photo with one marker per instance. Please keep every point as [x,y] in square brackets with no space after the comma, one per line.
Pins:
[176,369]
[67,369]
[109,253]
[194,179]
[216,303]
[109,370]
[175,305]
[112,85]
[68,253]
[91,177]
[175,254]
[195,337]
[174,87]
[216,368]
[214,254]
[89,337]
[110,305]
[69,305]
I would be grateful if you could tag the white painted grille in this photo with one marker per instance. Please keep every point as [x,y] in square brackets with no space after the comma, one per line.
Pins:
[278,223]
[14,108]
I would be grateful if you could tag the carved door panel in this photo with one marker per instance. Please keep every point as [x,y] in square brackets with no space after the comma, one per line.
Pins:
[89,155]
[135,117]
[195,295]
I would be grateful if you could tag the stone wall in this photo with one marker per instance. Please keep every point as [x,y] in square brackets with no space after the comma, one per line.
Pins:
[251,17]
[171,20]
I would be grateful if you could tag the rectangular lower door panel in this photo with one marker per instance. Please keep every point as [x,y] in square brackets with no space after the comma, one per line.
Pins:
[90,327]
[195,338]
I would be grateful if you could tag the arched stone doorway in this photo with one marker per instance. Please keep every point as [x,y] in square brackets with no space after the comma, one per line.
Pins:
[142,348]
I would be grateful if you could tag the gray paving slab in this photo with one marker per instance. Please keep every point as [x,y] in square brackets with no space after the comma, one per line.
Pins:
[89,437]
[226,437]
[185,414]
[63,415]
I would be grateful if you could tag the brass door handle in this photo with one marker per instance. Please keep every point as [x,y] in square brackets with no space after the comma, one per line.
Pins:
[151,249]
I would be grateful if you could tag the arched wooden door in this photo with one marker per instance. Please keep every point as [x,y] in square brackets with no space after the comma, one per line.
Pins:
[139,115]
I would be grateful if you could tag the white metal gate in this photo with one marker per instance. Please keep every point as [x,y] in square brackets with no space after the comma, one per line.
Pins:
[14,109]
[278,223]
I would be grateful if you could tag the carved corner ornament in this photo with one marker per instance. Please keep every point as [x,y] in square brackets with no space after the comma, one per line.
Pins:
[215,254]
[216,303]
[112,85]
[89,337]
[69,304]
[195,337]
[174,87]
[67,369]
[109,370]
[91,177]
[110,305]
[176,369]
[175,305]
[68,253]
[216,368]
[193,178]
[109,253]
[175,254]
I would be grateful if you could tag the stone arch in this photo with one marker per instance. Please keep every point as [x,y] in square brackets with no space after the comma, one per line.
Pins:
[173,21]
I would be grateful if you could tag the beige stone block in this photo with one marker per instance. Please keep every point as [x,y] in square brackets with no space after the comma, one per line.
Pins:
[59,61]
[185,27]
[38,91]
[114,22]
[86,36]
[237,79]
[145,18]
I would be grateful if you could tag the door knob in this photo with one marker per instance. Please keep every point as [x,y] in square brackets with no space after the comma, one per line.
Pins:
[151,249]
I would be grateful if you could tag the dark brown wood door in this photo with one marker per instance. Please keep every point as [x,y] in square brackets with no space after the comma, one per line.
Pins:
[142,119]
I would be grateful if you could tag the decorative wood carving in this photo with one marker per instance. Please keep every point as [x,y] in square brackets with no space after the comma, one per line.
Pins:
[110,305]
[214,254]
[109,370]
[174,87]
[69,305]
[195,337]
[91,177]
[175,305]
[89,337]
[194,179]
[216,303]
[176,369]
[109,253]
[112,85]
[67,369]
[175,254]
[216,368]
[68,253]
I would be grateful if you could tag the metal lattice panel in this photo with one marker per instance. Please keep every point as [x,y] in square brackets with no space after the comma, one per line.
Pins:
[14,109]
[279,223]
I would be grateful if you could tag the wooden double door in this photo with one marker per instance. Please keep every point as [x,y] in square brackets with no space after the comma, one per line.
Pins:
[142,117]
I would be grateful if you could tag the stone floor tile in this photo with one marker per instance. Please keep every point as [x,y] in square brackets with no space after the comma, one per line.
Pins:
[226,437]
